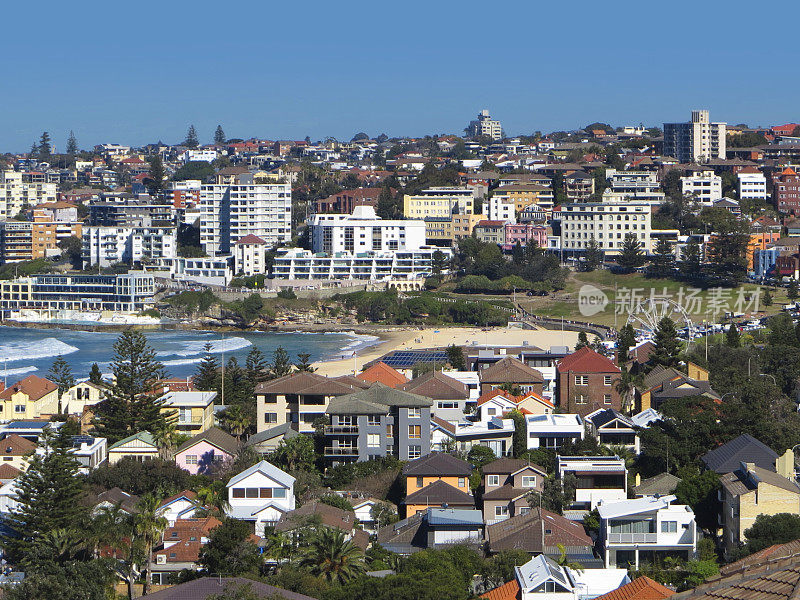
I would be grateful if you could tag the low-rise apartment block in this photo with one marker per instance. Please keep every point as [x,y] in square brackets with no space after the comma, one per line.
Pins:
[607,223]
[439,202]
[105,246]
[704,186]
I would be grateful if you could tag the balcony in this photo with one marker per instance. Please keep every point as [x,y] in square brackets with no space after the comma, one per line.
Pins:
[341,451]
[341,429]
[632,538]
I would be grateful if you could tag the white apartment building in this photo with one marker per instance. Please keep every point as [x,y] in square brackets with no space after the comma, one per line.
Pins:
[752,184]
[698,140]
[216,270]
[296,263]
[485,125]
[199,156]
[704,186]
[635,185]
[16,193]
[364,231]
[105,246]
[607,222]
[502,208]
[230,211]
[250,256]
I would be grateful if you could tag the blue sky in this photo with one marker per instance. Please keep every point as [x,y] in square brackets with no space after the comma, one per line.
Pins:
[135,72]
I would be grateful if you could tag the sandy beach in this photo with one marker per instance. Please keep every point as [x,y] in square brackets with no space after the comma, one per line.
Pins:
[412,339]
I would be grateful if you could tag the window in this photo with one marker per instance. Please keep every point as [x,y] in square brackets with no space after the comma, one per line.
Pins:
[524,510]
[500,511]
[420,482]
[373,440]
[414,452]
[447,404]
[238,492]
[270,417]
[462,482]
[390,431]
[19,408]
[414,413]
[374,420]
[669,526]
[265,493]
[607,380]
[8,458]
[581,380]
[528,481]
[191,459]
[491,411]
[493,480]
[279,493]
[580,399]
[251,492]
[414,432]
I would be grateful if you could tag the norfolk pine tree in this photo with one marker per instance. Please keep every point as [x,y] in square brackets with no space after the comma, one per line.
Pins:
[207,376]
[61,374]
[72,143]
[191,140]
[219,135]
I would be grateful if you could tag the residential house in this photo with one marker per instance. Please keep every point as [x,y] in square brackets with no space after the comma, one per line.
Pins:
[16,451]
[646,529]
[641,588]
[553,430]
[250,256]
[90,452]
[139,447]
[261,495]
[182,543]
[179,506]
[207,451]
[578,186]
[662,484]
[116,497]
[540,531]
[363,509]
[268,440]
[30,398]
[786,191]
[318,514]
[510,370]
[449,395]
[380,372]
[194,410]
[433,528]
[491,232]
[586,382]
[749,491]
[599,479]
[665,383]
[378,421]
[300,399]
[495,433]
[8,473]
[507,483]
[612,428]
[542,578]
[80,397]
[435,480]
[743,449]
[206,588]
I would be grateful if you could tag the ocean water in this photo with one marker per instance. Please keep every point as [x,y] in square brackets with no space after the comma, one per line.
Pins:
[24,351]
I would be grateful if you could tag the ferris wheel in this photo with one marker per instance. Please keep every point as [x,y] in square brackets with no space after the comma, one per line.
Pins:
[646,314]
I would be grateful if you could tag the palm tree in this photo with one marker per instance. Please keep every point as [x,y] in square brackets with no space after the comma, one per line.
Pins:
[165,440]
[625,385]
[114,528]
[148,526]
[565,562]
[279,546]
[332,556]
[214,496]
[236,421]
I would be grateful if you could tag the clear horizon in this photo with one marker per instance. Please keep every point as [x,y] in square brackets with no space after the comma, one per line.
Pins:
[112,74]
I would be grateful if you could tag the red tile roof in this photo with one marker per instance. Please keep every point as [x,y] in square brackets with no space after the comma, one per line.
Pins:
[251,239]
[486,396]
[35,387]
[507,591]
[587,360]
[15,445]
[8,472]
[382,373]
[642,588]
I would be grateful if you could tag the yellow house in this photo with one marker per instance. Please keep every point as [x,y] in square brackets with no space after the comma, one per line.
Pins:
[80,396]
[31,398]
[437,479]
[16,451]
[193,412]
[438,203]
[139,446]
[525,194]
[451,229]
[751,491]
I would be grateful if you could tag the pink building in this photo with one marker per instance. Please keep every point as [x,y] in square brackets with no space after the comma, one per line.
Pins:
[523,233]
[206,451]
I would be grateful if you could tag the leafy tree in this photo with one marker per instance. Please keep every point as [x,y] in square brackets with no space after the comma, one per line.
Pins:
[732,337]
[767,298]
[235,420]
[699,490]
[131,404]
[582,342]
[500,568]
[791,290]
[625,386]
[155,179]
[387,206]
[219,135]
[383,514]
[691,259]
[71,580]
[631,255]
[72,143]
[667,345]
[60,373]
[45,148]
[229,550]
[332,556]
[155,476]
[207,376]
[295,454]
[336,501]
[281,365]
[95,375]
[663,260]
[303,363]
[194,169]
[520,439]
[593,255]
[48,498]
[455,356]
[71,248]
[772,529]
[478,456]
[191,140]
[556,495]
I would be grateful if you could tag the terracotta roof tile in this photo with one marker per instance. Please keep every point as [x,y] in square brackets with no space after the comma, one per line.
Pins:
[15,445]
[382,373]
[587,360]
[35,387]
[507,591]
[510,370]
[642,588]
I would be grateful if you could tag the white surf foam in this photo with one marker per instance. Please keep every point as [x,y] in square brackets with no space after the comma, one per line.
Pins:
[18,371]
[197,347]
[181,361]
[35,350]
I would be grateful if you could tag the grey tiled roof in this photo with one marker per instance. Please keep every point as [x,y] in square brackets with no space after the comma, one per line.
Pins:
[744,448]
